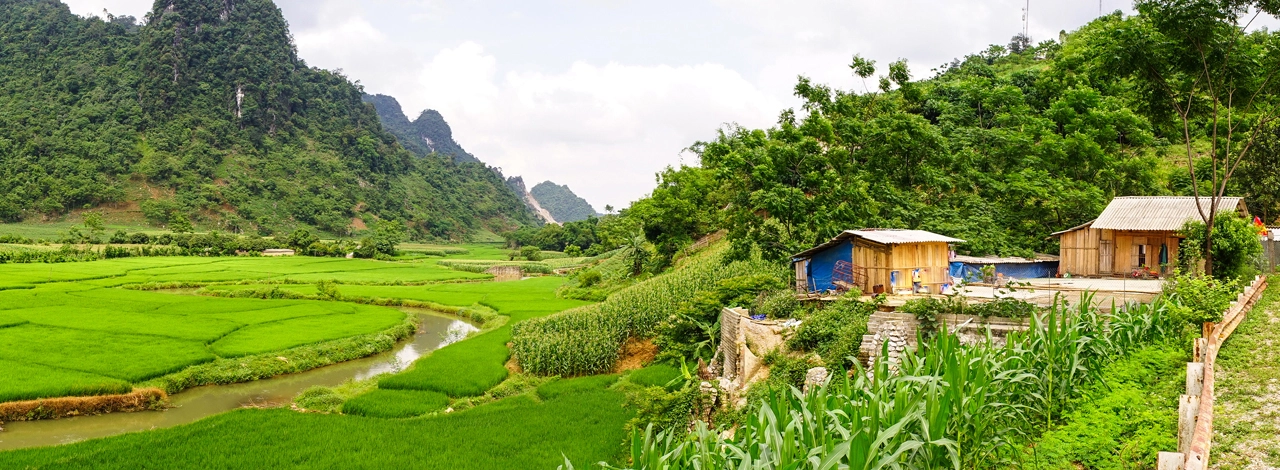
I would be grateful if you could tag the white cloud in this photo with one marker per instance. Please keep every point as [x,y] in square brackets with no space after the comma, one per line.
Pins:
[136,8]
[602,129]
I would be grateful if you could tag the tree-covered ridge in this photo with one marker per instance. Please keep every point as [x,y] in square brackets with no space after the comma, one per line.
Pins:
[207,111]
[1001,148]
[425,135]
[562,203]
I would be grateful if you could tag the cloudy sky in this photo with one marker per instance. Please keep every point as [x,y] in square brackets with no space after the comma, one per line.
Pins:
[600,95]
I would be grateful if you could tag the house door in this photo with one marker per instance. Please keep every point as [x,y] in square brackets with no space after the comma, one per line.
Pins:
[1106,257]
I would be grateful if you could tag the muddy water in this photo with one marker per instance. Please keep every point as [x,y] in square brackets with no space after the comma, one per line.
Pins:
[191,405]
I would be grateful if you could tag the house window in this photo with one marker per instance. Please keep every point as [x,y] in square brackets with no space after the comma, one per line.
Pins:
[1142,255]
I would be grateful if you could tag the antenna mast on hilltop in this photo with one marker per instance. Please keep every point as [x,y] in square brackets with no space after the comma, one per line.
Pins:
[1026,20]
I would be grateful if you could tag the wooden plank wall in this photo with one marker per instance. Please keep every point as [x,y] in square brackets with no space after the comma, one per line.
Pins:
[1080,252]
[881,260]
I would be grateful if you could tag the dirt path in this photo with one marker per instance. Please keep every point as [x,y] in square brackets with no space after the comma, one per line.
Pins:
[1247,413]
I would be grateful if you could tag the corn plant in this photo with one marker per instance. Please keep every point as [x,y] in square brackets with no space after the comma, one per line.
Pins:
[587,340]
[948,406]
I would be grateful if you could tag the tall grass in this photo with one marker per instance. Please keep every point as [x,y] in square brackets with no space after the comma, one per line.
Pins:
[587,340]
[948,406]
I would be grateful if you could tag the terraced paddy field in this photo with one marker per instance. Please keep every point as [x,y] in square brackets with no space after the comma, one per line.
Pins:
[109,326]
[73,328]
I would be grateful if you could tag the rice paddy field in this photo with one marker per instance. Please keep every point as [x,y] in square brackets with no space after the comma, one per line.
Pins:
[102,327]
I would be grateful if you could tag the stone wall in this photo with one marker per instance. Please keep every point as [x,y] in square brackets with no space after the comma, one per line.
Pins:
[886,326]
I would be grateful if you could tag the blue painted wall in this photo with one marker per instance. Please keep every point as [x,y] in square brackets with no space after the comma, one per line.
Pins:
[823,263]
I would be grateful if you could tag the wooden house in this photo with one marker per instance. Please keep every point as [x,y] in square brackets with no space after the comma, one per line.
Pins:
[875,261]
[1134,233]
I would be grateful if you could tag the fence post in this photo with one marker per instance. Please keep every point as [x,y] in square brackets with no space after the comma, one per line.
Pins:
[1188,407]
[1195,378]
[1170,461]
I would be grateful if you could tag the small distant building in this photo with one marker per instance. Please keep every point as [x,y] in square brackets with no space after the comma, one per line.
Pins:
[969,268]
[1134,233]
[875,261]
[277,252]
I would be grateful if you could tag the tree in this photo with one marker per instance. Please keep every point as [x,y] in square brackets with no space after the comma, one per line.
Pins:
[300,239]
[386,235]
[1195,66]
[1019,44]
[178,223]
[93,222]
[1233,249]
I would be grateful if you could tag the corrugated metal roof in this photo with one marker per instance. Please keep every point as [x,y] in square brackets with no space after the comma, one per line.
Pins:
[898,237]
[882,236]
[1162,213]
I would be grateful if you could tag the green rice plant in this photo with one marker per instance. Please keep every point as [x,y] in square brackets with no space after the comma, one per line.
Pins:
[31,381]
[293,332]
[128,357]
[654,375]
[513,433]
[382,403]
[464,369]
[260,366]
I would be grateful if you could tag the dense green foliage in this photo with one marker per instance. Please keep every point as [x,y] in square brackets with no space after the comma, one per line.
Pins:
[562,203]
[1000,148]
[587,340]
[946,406]
[1200,298]
[1235,249]
[834,332]
[206,114]
[1124,420]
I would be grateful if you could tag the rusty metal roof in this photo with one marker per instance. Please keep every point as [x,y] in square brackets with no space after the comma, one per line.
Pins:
[882,236]
[1158,213]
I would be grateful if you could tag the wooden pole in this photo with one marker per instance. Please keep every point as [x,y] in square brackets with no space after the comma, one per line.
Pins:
[1195,378]
[1188,406]
[1170,461]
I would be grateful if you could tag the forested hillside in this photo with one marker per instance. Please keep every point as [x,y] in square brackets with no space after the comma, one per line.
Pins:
[206,111]
[427,134]
[562,203]
[1001,148]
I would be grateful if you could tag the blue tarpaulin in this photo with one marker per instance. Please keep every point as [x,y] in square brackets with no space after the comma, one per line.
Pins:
[972,272]
[823,264]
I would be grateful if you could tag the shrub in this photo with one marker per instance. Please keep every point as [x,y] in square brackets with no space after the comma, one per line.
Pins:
[589,278]
[531,253]
[834,332]
[1199,298]
[1235,246]
[778,304]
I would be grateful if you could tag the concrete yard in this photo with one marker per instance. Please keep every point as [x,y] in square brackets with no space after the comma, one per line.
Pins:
[1043,291]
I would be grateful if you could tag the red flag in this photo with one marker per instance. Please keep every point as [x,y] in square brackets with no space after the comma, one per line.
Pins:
[1257,221]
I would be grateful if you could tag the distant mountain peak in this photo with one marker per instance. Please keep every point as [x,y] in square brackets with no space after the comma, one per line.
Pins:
[562,203]
[427,134]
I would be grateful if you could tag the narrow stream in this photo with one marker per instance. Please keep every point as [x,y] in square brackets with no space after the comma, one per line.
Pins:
[190,405]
